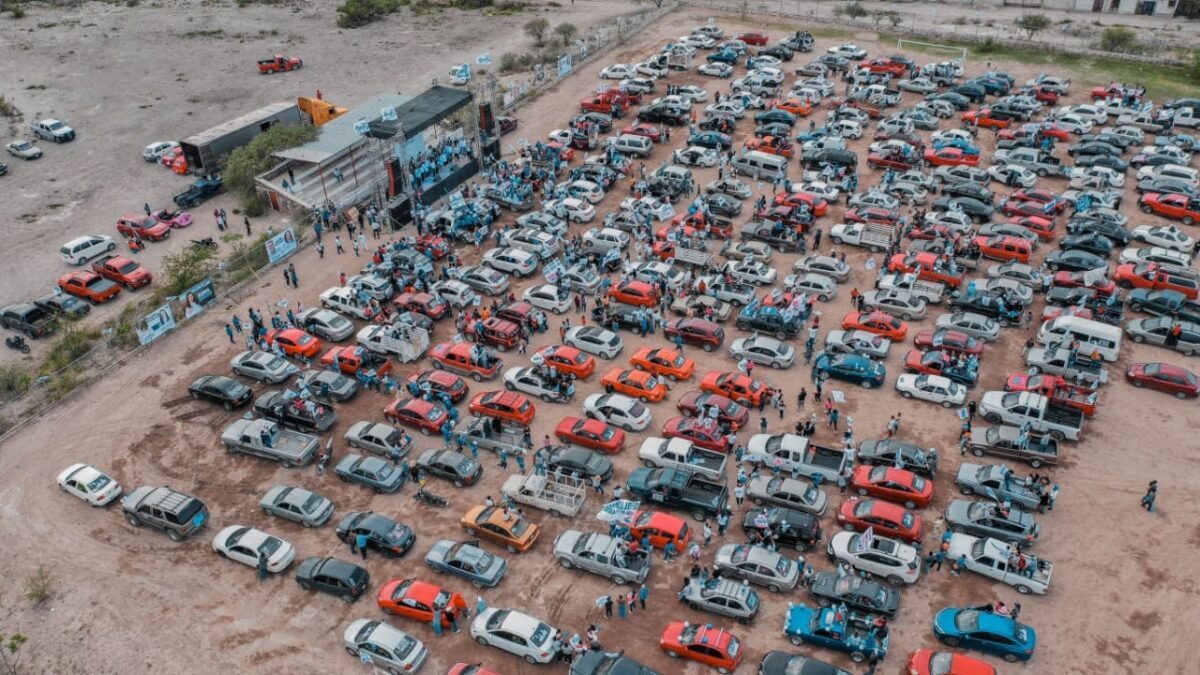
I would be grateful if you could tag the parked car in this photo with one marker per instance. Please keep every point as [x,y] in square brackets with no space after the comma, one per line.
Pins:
[331,575]
[89,484]
[297,505]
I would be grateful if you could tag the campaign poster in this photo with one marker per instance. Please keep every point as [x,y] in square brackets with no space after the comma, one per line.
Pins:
[281,245]
[155,324]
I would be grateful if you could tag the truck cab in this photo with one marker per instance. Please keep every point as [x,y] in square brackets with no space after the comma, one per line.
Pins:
[673,487]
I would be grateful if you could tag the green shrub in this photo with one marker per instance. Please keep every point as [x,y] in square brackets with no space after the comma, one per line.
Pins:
[252,159]
[185,268]
[39,586]
[356,13]
[73,343]
[1119,39]
[856,11]
[14,381]
[1032,24]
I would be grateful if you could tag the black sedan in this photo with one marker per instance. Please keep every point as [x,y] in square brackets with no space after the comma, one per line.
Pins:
[1093,148]
[785,663]
[897,453]
[1110,161]
[389,538]
[723,205]
[1074,260]
[776,116]
[855,592]
[1166,184]
[966,189]
[661,114]
[1092,242]
[333,576]
[220,389]
[573,460]
[721,123]
[955,99]
[450,465]
[1115,140]
[773,129]
[602,121]
[977,211]
[1118,234]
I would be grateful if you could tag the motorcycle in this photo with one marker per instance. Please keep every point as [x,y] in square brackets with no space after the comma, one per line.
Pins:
[17,342]
[206,242]
[429,498]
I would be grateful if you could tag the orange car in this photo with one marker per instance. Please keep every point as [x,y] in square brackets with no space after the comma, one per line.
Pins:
[660,528]
[773,145]
[795,105]
[567,360]
[504,405]
[879,323]
[590,433]
[1005,247]
[736,386]
[930,662]
[702,643]
[295,342]
[351,358]
[514,533]
[636,384]
[633,292]
[417,600]
[818,205]
[665,361]
[893,484]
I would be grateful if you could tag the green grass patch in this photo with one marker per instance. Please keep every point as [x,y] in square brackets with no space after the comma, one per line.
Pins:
[74,343]
[14,381]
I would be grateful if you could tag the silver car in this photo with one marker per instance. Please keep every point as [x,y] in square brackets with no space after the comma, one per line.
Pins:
[263,366]
[823,264]
[594,340]
[977,326]
[1157,331]
[484,279]
[340,387]
[722,596]
[297,505]
[858,342]
[985,519]
[745,250]
[1016,271]
[819,285]
[1013,288]
[381,439]
[384,647]
[765,350]
[326,324]
[801,495]
[897,303]
[758,565]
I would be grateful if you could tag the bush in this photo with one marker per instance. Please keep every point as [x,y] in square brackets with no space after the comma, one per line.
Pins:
[14,381]
[74,343]
[471,4]
[1033,24]
[39,586]
[1196,65]
[252,159]
[1119,39]
[185,268]
[356,13]
[856,11]
[536,29]
[566,31]
[959,21]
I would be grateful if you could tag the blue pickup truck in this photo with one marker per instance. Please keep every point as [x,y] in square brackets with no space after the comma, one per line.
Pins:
[836,628]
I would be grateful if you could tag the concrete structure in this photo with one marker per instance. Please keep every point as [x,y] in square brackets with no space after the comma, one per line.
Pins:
[1145,7]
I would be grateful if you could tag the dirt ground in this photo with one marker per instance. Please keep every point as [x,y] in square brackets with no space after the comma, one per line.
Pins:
[1124,580]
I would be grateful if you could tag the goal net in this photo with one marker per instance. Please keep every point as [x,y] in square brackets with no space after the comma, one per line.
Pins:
[949,51]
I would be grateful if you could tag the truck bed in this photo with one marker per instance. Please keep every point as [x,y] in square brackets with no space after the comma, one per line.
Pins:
[1061,414]
[826,458]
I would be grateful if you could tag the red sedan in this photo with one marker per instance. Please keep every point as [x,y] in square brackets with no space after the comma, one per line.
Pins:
[1103,286]
[1014,207]
[1181,382]
[706,434]
[417,413]
[754,37]
[728,411]
[1041,196]
[590,433]
[885,65]
[887,519]
[695,331]
[504,405]
[1004,247]
[143,227]
[1057,389]
[947,340]
[1041,226]
[950,157]
[879,323]
[642,129]
[567,360]
[633,292]
[417,600]
[294,342]
[893,484]
[872,214]
[440,382]
[929,662]
[741,388]
[818,205]
[425,304]
[703,643]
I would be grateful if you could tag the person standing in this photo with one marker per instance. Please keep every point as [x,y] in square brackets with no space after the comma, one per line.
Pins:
[360,540]
[739,494]
[520,457]
[262,566]
[229,332]
[708,533]
[644,593]
[452,618]
[1150,496]
[801,397]
[971,408]
[248,233]
[437,622]
[622,610]
[608,606]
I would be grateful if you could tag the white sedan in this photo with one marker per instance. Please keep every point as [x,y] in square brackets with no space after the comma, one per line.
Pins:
[560,136]
[830,192]
[750,272]
[637,85]
[935,388]
[512,260]
[571,209]
[821,287]
[1074,124]
[244,544]
[897,303]
[921,85]
[155,151]
[594,340]
[548,297]
[1165,236]
[697,40]
[649,69]
[849,50]
[716,69]
[725,108]
[1018,175]
[889,559]
[617,71]
[387,649]
[765,350]
[89,484]
[516,633]
[618,410]
[586,190]
[851,129]
[695,156]
[693,92]
[535,241]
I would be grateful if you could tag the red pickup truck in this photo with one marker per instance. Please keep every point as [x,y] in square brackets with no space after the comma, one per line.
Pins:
[890,160]
[1057,389]
[118,268]
[279,64]
[89,286]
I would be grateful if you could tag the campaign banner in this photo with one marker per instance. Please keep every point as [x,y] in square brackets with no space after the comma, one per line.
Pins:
[198,297]
[155,324]
[281,245]
[564,65]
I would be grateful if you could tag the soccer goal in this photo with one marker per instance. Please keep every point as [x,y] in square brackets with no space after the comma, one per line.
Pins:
[950,51]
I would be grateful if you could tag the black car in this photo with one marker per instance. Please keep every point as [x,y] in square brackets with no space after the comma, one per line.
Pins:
[774,234]
[597,173]
[280,407]
[787,527]
[603,122]
[626,316]
[769,321]
[955,99]
[972,92]
[855,592]
[897,453]
[666,189]
[1182,103]
[1075,260]
[833,61]
[450,465]
[1115,140]
[597,662]
[220,389]
[61,304]
[991,85]
[1093,148]
[198,192]
[29,319]
[776,116]
[506,124]
[783,663]
[725,124]
[779,51]
[972,190]
[831,157]
[724,205]
[389,538]
[996,303]
[415,320]
[662,113]
[1029,141]
[1065,296]
[1164,303]
[1008,113]
[1141,159]
[1092,242]
[1111,161]
[977,211]
[573,460]
[773,129]
[1165,184]
[1118,234]
[333,576]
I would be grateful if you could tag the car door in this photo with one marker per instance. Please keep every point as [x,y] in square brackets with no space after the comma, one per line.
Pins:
[243,554]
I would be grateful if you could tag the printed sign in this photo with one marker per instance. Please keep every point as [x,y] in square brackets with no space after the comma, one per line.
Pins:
[361,127]
[564,65]
[281,245]
[155,324]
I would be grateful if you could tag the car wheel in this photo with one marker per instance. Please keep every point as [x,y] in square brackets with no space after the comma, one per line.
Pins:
[174,536]
[1011,658]
[481,640]
[511,549]
[672,655]
[1139,339]
[951,641]
[947,404]
[858,657]
[866,384]
[992,418]
[469,530]
[707,348]
[966,490]
[1182,396]
[796,640]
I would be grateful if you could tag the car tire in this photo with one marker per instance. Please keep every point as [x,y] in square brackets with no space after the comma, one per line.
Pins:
[906,394]
[672,655]
[966,490]
[174,536]
[1139,339]
[796,640]
[511,549]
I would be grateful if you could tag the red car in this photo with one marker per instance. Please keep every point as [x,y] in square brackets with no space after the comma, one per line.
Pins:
[1041,226]
[950,157]
[928,266]
[754,37]
[440,382]
[142,227]
[294,342]
[728,411]
[872,214]
[788,214]
[1005,247]
[704,433]
[885,65]
[417,413]
[774,145]
[695,331]
[661,528]
[893,484]
[1041,196]
[642,129]
[634,383]
[128,273]
[1015,207]
[879,323]
[663,361]
[505,405]
[425,304]
[1155,277]
[1176,206]
[433,245]
[741,388]
[948,340]
[694,224]
[929,662]
[634,292]
[885,518]
[1181,382]
[458,357]
[1078,280]
[417,600]
[567,360]
[352,358]
[461,668]
[933,362]
[89,286]
[703,643]
[1057,389]
[983,118]
[590,433]
[818,206]
[889,160]
[493,331]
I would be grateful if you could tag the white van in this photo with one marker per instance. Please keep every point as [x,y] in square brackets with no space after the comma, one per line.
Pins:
[633,145]
[82,249]
[1092,335]
[760,165]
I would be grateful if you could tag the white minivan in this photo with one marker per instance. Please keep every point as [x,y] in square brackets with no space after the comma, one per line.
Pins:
[760,165]
[82,249]
[1092,335]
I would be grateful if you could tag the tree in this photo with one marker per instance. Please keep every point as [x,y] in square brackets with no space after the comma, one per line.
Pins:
[1033,24]
[1119,39]
[895,18]
[566,31]
[254,158]
[536,29]
[856,11]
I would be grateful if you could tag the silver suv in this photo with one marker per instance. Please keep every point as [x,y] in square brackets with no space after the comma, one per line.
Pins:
[722,596]
[179,515]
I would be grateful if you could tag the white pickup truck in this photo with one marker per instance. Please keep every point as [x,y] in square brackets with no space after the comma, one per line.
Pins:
[993,559]
[561,497]
[796,451]
[1042,415]
[405,342]
[929,291]
[872,236]
[343,299]
[264,438]
[680,453]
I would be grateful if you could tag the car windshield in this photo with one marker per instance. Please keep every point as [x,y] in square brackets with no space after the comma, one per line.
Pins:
[397,533]
[98,483]
[520,527]
[651,383]
[967,621]
[908,519]
[312,503]
[540,634]
[734,645]
[404,647]
[939,663]
[433,414]
[783,566]
[636,410]
[269,546]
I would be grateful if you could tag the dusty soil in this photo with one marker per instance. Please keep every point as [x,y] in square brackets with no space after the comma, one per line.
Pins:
[1123,578]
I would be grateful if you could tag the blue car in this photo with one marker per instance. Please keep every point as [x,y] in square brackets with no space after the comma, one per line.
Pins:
[959,143]
[465,559]
[851,368]
[854,633]
[776,115]
[711,139]
[984,631]
[817,132]
[724,56]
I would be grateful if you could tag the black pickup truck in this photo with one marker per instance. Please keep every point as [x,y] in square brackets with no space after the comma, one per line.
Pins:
[679,489]
[289,411]
[786,527]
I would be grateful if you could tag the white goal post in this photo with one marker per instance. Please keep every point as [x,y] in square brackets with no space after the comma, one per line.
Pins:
[959,53]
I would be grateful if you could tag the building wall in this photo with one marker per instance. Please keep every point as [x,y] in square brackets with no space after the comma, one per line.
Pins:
[1161,7]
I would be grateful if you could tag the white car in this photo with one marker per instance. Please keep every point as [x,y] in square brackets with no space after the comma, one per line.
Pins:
[571,209]
[82,249]
[594,340]
[155,151]
[1165,236]
[716,69]
[921,85]
[1107,178]
[637,85]
[977,326]
[262,366]
[830,192]
[1174,171]
[546,222]
[725,108]
[766,61]
[605,238]
[917,177]
[951,135]
[563,136]
[851,129]
[512,260]
[516,633]
[849,50]
[1013,288]
[875,198]
[765,350]
[823,264]
[824,85]
[649,70]
[750,272]
[817,285]
[954,220]
[858,342]
[244,544]
[674,101]
[937,108]
[617,71]
[696,156]
[1074,123]
[24,149]
[549,297]
[894,561]
[653,271]
[699,40]
[1157,254]
[1133,134]
[896,302]
[935,388]
[454,292]
[1019,175]
[89,484]
[586,190]
[541,244]
[618,410]
[693,93]
[711,31]
[386,648]
[1091,113]
[908,193]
